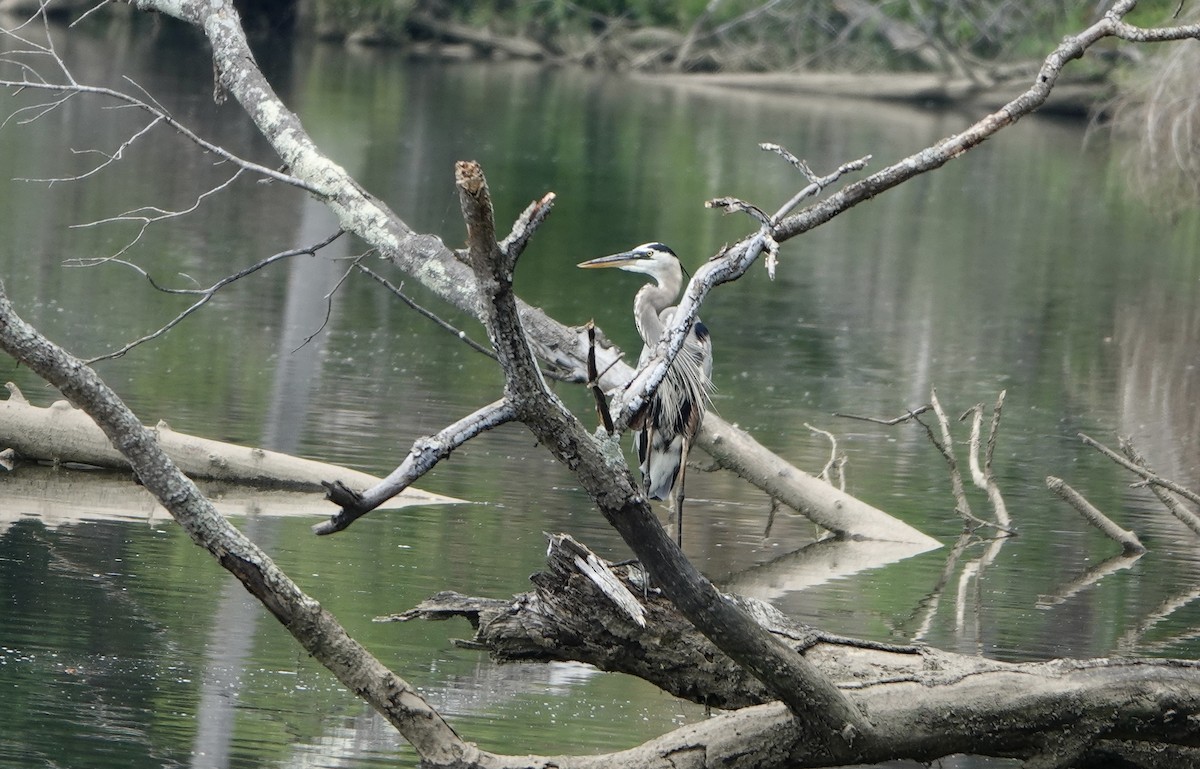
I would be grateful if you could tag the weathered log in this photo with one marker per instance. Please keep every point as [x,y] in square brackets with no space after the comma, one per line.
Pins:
[61,433]
[481,39]
[925,702]
[568,617]
[1079,97]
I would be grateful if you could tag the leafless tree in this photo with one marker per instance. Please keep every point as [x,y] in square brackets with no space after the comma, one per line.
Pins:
[1060,714]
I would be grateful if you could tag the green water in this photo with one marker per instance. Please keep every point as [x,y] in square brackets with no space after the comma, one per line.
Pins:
[1025,266]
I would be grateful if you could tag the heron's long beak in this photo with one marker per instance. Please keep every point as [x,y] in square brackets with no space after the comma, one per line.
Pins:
[615,260]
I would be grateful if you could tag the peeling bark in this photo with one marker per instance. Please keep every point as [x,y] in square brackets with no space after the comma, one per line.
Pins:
[925,702]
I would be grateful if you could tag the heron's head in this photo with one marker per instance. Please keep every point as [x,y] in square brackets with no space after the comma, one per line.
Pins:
[652,259]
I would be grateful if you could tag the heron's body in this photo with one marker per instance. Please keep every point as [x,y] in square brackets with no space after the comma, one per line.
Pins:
[671,418]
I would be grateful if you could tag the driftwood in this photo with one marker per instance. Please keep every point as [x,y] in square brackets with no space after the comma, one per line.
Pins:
[482,40]
[1070,98]
[1120,709]
[61,433]
[571,616]
[62,496]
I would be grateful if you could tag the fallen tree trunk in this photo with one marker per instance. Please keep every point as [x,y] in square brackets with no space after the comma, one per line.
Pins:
[61,433]
[483,40]
[1076,98]
[926,703]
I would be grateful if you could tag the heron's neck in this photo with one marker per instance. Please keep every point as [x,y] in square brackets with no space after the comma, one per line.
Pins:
[648,305]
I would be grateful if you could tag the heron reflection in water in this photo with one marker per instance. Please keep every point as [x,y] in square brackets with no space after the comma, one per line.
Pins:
[668,423]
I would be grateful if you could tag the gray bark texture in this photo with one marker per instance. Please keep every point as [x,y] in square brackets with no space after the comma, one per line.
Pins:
[840,702]
[924,702]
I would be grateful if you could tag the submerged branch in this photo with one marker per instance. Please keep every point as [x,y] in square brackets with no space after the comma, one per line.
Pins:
[1128,541]
[1173,505]
[1133,467]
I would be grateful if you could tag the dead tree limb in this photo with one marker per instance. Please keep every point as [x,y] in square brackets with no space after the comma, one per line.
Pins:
[424,455]
[313,627]
[831,720]
[1144,472]
[1014,710]
[1128,541]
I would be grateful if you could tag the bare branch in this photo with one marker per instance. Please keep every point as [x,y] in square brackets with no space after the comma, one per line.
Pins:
[1150,477]
[1185,516]
[911,415]
[816,183]
[946,447]
[983,477]
[1126,539]
[147,215]
[737,205]
[831,473]
[442,324]
[425,454]
[205,294]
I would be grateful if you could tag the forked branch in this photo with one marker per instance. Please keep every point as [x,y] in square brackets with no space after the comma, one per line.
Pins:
[835,723]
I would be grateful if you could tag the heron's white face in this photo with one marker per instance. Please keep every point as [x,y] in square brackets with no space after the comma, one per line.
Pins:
[652,259]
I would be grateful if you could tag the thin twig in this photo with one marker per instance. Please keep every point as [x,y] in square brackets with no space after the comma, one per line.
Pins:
[147,215]
[833,466]
[205,294]
[445,326]
[329,303]
[907,416]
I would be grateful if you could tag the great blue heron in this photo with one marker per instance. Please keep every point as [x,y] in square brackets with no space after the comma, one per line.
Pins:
[669,422]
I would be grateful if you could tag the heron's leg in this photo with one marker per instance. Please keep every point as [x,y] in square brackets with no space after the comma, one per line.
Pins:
[677,492]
